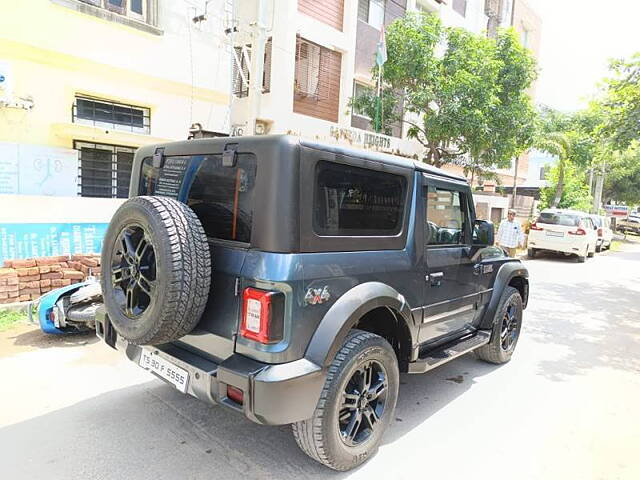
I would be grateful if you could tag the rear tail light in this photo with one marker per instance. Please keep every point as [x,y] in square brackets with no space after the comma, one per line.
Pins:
[534,226]
[600,232]
[579,231]
[262,315]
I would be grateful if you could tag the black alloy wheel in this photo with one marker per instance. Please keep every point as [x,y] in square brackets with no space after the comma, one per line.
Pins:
[363,403]
[509,330]
[133,271]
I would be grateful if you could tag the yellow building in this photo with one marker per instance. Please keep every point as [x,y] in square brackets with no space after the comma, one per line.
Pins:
[85,82]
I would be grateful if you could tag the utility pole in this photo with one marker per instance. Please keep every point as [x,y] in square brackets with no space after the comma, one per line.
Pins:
[597,197]
[257,64]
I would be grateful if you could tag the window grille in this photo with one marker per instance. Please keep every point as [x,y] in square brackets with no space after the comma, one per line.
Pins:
[107,114]
[240,87]
[104,170]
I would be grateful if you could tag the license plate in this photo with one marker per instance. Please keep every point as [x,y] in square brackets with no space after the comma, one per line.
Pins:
[551,233]
[166,370]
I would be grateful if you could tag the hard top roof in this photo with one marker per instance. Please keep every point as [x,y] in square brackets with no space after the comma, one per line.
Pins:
[205,146]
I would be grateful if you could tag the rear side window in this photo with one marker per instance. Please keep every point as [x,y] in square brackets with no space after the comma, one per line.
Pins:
[222,197]
[353,201]
[559,219]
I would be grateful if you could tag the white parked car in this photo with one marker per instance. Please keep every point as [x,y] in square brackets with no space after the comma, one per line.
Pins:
[565,231]
[603,229]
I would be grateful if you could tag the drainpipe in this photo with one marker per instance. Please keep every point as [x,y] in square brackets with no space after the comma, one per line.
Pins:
[257,65]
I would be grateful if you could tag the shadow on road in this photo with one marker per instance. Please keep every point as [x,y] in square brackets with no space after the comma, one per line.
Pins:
[596,325]
[151,431]
[36,338]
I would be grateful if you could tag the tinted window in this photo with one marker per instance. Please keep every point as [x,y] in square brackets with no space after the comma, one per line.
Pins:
[222,197]
[446,215]
[357,201]
[559,219]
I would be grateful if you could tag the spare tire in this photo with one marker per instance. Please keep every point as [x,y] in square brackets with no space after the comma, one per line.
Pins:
[156,270]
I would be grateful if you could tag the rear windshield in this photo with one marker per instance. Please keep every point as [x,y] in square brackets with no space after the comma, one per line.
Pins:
[559,219]
[353,201]
[221,197]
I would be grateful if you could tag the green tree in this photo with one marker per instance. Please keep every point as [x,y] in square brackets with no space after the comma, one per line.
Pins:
[574,194]
[622,182]
[463,94]
[558,144]
[621,103]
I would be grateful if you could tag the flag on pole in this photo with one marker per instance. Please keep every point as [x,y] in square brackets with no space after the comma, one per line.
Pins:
[381,58]
[381,51]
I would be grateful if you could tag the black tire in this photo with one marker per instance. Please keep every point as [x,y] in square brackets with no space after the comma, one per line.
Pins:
[531,253]
[155,290]
[320,436]
[590,254]
[599,248]
[495,351]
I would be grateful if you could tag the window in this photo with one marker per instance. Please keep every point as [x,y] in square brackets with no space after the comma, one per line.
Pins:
[317,81]
[564,219]
[104,170]
[242,67]
[359,90]
[460,6]
[106,114]
[524,37]
[446,217]
[353,201]
[221,196]
[308,69]
[543,173]
[371,12]
[136,9]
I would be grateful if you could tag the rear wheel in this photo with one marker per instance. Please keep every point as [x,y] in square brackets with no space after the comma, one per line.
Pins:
[356,404]
[582,258]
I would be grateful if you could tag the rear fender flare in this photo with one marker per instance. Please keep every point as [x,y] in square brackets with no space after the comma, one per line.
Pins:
[346,312]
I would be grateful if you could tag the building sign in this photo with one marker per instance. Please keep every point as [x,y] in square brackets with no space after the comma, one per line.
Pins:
[27,240]
[359,137]
[617,210]
[38,170]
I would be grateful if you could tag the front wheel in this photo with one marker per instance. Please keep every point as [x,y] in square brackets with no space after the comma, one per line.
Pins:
[356,404]
[506,329]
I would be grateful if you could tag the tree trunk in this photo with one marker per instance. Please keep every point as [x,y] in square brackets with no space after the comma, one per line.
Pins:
[560,186]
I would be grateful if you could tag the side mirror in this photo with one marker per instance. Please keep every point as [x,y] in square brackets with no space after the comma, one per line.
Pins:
[483,234]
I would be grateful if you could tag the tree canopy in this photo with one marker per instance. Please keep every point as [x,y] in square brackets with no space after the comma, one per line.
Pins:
[463,95]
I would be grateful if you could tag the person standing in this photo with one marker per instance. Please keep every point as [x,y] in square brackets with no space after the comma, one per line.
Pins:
[510,235]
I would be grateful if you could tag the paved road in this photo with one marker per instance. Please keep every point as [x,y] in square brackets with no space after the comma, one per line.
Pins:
[566,407]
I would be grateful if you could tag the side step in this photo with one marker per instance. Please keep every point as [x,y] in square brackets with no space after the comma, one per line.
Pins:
[449,352]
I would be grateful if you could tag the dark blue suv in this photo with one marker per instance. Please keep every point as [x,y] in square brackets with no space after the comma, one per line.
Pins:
[292,282]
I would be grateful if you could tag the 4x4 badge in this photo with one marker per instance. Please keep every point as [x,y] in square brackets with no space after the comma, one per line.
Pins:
[316,296]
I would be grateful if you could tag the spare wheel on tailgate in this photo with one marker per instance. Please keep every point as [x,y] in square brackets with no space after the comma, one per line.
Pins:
[156,270]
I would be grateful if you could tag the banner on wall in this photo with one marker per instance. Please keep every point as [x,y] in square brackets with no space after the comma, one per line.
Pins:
[38,170]
[26,240]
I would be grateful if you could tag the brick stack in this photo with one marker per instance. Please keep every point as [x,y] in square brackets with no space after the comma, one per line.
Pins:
[24,280]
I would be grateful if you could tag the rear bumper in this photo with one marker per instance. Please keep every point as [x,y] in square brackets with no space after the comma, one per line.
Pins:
[575,248]
[272,394]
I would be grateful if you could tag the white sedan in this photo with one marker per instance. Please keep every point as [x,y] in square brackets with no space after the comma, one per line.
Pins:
[564,231]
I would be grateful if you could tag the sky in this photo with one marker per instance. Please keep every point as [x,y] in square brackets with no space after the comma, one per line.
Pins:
[578,36]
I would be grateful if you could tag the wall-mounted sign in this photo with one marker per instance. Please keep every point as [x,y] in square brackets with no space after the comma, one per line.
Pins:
[359,137]
[38,170]
[27,240]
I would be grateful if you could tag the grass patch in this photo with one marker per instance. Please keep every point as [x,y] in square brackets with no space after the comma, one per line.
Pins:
[11,318]
[616,246]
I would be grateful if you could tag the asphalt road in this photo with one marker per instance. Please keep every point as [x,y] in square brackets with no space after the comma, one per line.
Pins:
[566,407]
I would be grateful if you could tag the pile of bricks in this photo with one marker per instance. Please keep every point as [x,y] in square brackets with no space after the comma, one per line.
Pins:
[24,280]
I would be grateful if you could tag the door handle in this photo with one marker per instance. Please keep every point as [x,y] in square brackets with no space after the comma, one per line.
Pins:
[435,278]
